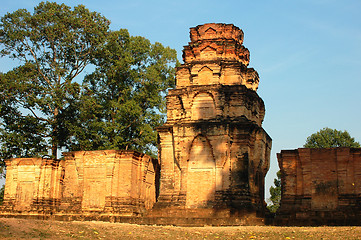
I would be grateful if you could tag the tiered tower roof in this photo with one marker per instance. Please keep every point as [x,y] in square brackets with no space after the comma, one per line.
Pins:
[216,55]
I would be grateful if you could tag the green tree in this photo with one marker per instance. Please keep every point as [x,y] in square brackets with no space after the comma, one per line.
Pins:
[275,192]
[2,189]
[123,99]
[53,46]
[328,138]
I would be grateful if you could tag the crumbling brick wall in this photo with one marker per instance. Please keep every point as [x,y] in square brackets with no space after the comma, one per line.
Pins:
[85,182]
[32,184]
[320,186]
[111,181]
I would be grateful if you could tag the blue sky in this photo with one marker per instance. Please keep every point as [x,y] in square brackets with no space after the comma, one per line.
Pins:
[307,53]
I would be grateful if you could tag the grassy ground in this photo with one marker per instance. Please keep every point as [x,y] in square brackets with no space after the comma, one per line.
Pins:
[38,229]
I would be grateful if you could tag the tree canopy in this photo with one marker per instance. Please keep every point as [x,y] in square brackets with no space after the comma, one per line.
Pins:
[45,103]
[275,192]
[123,99]
[53,45]
[328,138]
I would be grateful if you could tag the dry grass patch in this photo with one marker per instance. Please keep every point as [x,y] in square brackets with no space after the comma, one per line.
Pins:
[11,228]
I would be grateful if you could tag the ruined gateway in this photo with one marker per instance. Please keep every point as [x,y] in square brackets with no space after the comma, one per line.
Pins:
[213,153]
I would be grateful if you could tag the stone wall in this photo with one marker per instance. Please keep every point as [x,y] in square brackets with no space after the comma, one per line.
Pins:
[213,150]
[86,182]
[111,181]
[32,184]
[320,186]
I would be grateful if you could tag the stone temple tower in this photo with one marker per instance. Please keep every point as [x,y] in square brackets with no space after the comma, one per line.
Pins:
[214,153]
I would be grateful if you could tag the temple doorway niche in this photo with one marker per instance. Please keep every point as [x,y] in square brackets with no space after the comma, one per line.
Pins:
[94,189]
[26,185]
[205,76]
[24,197]
[208,53]
[201,180]
[203,107]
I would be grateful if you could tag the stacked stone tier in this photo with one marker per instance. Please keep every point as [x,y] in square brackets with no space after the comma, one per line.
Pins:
[216,72]
[213,31]
[221,49]
[214,103]
[214,42]
[213,164]
[216,55]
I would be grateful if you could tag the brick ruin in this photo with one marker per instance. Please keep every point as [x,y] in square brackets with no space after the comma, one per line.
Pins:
[213,154]
[83,183]
[320,186]
[213,151]
[32,184]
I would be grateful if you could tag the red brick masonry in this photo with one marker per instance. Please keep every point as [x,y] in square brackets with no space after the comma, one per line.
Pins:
[110,182]
[320,186]
[213,151]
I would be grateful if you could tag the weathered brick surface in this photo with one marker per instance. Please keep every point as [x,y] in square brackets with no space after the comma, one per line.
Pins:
[213,150]
[32,184]
[85,182]
[320,186]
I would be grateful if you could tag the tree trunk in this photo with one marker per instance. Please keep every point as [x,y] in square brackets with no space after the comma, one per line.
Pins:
[54,150]
[54,145]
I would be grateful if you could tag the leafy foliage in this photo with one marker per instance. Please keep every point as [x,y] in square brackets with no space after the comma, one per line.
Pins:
[275,192]
[43,106]
[53,45]
[328,138]
[123,99]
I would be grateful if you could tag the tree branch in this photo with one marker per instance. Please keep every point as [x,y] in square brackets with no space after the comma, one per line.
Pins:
[36,116]
[37,64]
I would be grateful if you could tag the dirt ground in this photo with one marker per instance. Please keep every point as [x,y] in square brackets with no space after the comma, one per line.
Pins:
[11,228]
